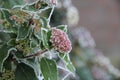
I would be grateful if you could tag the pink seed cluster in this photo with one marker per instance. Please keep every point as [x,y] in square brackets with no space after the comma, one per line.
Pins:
[60,41]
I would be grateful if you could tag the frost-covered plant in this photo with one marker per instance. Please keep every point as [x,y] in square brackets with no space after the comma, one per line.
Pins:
[30,49]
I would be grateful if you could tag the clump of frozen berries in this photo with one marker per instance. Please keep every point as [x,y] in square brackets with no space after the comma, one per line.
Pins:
[60,41]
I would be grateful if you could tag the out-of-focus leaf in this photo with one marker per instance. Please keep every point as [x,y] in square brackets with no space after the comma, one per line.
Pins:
[84,73]
[24,72]
[49,69]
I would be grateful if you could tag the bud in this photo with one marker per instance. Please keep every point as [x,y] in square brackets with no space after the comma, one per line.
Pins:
[60,41]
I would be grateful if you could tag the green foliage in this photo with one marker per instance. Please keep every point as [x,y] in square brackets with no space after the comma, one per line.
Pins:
[24,28]
[10,3]
[49,69]
[4,49]
[25,41]
[66,60]
[24,72]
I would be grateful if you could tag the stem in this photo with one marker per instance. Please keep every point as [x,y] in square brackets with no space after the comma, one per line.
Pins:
[36,54]
[66,76]
[50,14]
[63,69]
[14,57]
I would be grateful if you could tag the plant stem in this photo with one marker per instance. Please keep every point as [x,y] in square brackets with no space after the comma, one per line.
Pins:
[36,54]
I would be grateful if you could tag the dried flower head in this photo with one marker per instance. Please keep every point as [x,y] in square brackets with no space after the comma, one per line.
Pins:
[60,41]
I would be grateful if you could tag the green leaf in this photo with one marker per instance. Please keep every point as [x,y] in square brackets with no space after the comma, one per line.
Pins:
[10,3]
[4,37]
[19,54]
[11,30]
[11,42]
[49,34]
[41,25]
[45,13]
[34,42]
[24,72]
[44,33]
[49,69]
[4,51]
[8,25]
[23,31]
[45,39]
[7,63]
[5,14]
[33,62]
[38,34]
[66,60]
[62,27]
[36,6]
[44,22]
[12,35]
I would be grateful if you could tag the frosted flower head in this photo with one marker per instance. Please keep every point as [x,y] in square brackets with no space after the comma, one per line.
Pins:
[60,41]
